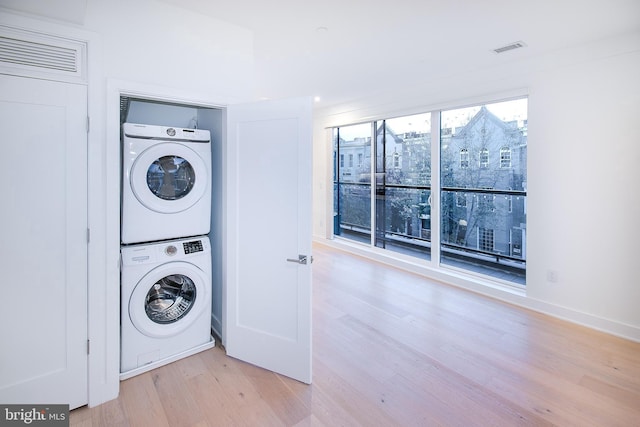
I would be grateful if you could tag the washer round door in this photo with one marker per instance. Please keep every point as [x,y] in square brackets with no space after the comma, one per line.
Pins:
[168,299]
[169,178]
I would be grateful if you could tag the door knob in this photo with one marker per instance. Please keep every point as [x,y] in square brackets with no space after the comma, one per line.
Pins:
[302,259]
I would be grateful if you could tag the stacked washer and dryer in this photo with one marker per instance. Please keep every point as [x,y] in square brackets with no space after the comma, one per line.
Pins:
[165,250]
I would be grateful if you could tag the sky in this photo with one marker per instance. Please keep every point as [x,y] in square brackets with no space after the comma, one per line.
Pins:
[507,111]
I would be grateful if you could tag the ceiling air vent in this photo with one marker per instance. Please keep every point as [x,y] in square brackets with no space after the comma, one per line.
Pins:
[511,46]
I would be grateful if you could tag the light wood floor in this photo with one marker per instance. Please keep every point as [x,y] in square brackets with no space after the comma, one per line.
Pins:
[395,349]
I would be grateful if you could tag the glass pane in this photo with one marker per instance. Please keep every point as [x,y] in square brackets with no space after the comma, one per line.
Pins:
[355,212]
[407,150]
[170,299]
[485,146]
[352,182]
[485,233]
[483,199]
[403,221]
[403,178]
[171,177]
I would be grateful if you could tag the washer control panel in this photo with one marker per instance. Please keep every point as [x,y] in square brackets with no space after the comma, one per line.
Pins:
[161,252]
[192,246]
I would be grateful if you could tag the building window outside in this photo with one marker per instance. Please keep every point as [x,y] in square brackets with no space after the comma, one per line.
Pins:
[486,203]
[464,158]
[505,157]
[482,203]
[485,239]
[484,158]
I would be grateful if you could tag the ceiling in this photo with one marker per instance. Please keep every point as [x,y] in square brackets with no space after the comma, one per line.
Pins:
[340,50]
[344,50]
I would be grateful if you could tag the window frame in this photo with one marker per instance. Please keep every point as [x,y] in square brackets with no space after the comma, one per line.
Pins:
[467,155]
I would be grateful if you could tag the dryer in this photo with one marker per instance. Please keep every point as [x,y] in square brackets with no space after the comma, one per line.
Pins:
[165,303]
[166,188]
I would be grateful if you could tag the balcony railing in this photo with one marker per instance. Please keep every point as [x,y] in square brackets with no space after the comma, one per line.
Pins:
[493,245]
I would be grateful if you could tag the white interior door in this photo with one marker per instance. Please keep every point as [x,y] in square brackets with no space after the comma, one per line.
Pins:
[268,217]
[43,223]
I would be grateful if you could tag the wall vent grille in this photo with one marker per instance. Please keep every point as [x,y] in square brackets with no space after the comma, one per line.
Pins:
[39,55]
[511,46]
[29,54]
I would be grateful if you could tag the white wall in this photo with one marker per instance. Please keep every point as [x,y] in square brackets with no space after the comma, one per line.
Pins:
[584,204]
[158,44]
[583,171]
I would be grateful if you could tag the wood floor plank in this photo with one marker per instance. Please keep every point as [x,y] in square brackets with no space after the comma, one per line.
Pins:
[176,396]
[355,403]
[110,413]
[290,403]
[140,401]
[392,348]
[238,400]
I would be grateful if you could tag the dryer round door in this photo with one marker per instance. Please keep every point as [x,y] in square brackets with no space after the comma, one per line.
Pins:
[168,299]
[169,178]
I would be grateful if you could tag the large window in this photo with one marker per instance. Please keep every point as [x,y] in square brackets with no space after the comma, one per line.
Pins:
[480,189]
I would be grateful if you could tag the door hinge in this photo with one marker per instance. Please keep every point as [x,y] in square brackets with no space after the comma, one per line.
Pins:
[88,123]
[88,347]
[88,235]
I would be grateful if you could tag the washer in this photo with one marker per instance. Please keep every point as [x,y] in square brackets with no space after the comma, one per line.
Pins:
[166,189]
[165,303]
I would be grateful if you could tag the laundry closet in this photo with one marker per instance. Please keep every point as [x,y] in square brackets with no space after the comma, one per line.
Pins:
[170,232]
[190,117]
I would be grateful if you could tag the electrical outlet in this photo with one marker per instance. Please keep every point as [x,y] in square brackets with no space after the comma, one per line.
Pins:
[552,276]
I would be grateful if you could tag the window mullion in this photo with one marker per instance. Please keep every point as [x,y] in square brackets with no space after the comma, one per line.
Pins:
[337,186]
[372,177]
[435,188]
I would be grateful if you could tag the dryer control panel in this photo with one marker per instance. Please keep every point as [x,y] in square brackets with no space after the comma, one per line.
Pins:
[136,130]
